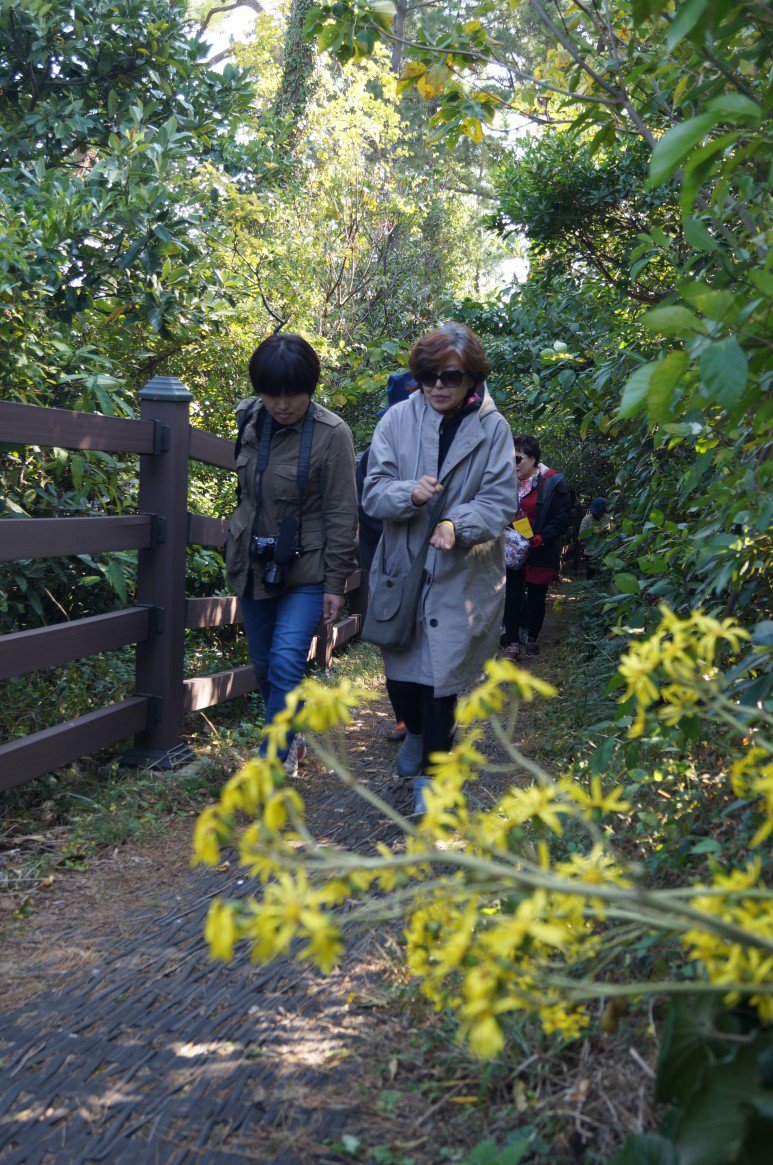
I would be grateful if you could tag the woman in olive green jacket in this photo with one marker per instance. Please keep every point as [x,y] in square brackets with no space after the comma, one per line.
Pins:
[292,541]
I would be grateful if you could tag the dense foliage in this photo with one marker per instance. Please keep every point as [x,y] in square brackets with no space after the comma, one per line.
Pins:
[159,216]
[688,93]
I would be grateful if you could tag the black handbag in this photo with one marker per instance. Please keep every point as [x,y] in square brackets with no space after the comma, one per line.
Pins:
[393,604]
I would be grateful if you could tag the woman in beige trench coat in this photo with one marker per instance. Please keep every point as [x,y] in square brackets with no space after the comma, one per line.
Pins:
[448,440]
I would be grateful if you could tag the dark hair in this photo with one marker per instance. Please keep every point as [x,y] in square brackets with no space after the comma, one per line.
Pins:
[451,339]
[284,362]
[528,445]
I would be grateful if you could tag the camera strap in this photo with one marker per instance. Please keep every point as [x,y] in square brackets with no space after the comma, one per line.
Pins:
[304,467]
[264,433]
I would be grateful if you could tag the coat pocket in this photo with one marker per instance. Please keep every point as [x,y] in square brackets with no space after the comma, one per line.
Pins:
[235,554]
[386,597]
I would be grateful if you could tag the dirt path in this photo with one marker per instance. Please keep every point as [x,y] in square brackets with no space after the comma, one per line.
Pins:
[121,1041]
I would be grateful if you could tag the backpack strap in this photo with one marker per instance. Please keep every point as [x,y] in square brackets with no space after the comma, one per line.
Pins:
[242,421]
[304,466]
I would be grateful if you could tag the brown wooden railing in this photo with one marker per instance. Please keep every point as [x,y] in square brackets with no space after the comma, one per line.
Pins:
[156,624]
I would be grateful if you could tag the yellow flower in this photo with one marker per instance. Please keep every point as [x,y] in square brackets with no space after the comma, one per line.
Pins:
[211,831]
[484,1038]
[569,1022]
[275,734]
[727,962]
[324,947]
[255,855]
[594,869]
[490,696]
[481,703]
[457,766]
[284,802]
[680,702]
[527,922]
[528,685]
[251,786]
[324,707]
[221,930]
[596,799]
[520,805]
[636,667]
[762,786]
[740,768]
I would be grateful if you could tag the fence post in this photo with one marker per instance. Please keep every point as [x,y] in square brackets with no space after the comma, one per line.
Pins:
[161,574]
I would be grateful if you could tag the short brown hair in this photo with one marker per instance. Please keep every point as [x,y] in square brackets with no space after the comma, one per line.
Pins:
[525,443]
[450,339]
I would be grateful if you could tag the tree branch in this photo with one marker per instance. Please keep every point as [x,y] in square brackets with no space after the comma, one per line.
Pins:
[253,5]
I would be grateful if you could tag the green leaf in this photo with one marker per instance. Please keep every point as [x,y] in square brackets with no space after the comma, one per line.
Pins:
[635,391]
[673,320]
[709,845]
[724,371]
[665,376]
[117,579]
[601,757]
[715,302]
[684,1052]
[697,236]
[646,1149]
[684,21]
[763,281]
[627,583]
[734,107]
[674,146]
[76,469]
[762,634]
[699,168]
[711,1129]
[684,429]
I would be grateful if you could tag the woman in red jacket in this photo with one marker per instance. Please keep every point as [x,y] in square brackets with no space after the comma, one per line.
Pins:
[543,499]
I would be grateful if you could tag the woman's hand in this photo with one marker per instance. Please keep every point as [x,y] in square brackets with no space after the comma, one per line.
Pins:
[444,535]
[332,606]
[425,489]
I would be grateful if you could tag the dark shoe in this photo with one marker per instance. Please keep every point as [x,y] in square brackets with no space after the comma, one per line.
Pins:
[532,647]
[420,783]
[397,731]
[409,755]
[513,651]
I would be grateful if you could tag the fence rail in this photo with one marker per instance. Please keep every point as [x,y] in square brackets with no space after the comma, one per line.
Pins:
[22,538]
[32,425]
[156,624]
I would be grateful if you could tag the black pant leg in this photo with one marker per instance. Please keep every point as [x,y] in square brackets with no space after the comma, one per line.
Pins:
[536,595]
[407,701]
[515,582]
[439,723]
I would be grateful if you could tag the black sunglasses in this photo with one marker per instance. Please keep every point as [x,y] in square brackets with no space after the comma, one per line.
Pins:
[449,377]
[519,457]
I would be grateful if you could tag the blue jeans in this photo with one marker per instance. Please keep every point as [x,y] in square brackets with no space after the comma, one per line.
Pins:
[279,633]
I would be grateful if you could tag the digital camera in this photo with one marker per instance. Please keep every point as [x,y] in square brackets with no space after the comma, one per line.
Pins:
[262,549]
[277,553]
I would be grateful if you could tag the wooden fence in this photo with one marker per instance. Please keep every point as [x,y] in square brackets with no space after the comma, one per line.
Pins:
[160,532]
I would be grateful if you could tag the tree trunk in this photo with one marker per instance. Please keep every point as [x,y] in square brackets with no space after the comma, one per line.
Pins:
[293,93]
[399,28]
